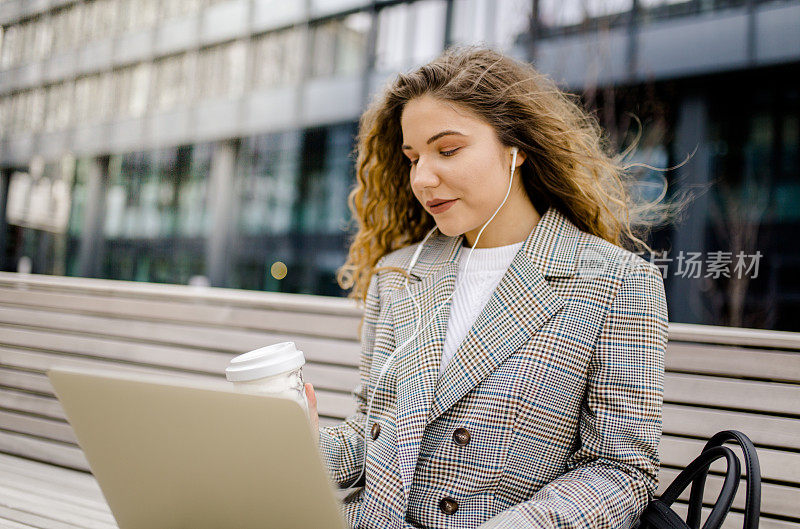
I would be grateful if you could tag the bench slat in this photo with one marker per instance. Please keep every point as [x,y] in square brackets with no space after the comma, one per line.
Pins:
[66,455]
[35,366]
[781,366]
[769,397]
[41,520]
[718,334]
[763,430]
[775,499]
[211,358]
[735,520]
[64,510]
[776,465]
[304,303]
[50,429]
[342,327]
[80,482]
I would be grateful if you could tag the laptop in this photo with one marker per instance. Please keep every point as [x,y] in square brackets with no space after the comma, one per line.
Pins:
[174,452]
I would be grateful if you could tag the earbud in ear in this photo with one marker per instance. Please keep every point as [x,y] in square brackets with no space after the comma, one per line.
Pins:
[514,150]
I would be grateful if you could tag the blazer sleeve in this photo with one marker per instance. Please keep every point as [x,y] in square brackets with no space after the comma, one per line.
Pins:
[614,471]
[342,445]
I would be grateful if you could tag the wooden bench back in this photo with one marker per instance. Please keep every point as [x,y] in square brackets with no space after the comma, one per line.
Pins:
[717,378]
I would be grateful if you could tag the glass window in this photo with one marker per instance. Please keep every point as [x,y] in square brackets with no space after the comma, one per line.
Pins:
[58,19]
[5,105]
[139,89]
[155,215]
[512,23]
[339,46]
[103,97]
[129,197]
[8,57]
[333,6]
[177,8]
[174,80]
[74,22]
[37,107]
[80,189]
[409,34]
[90,26]
[44,38]
[83,99]
[136,15]
[98,19]
[18,111]
[209,78]
[275,58]
[561,13]
[132,86]
[327,175]
[222,71]
[193,219]
[235,60]
[266,183]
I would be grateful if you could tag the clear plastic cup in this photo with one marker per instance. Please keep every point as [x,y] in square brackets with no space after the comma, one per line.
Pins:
[275,370]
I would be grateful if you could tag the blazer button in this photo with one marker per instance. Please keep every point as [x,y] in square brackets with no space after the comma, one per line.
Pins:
[448,505]
[375,431]
[461,436]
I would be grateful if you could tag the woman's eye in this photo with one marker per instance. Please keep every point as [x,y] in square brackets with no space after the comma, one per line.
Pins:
[451,152]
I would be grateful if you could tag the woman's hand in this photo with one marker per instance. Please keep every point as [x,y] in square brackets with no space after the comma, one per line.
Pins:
[312,410]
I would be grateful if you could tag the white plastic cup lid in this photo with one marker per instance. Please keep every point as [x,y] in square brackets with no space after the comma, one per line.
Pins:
[265,362]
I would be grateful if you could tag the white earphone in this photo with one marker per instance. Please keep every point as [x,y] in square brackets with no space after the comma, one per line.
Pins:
[418,330]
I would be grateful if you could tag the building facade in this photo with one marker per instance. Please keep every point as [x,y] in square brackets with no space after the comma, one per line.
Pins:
[210,141]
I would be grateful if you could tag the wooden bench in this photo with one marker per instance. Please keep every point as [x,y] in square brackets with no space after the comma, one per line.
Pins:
[717,378]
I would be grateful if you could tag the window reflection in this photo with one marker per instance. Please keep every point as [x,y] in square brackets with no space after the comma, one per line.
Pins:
[499,23]
[277,58]
[562,13]
[327,173]
[339,46]
[174,80]
[157,215]
[266,183]
[409,34]
[221,71]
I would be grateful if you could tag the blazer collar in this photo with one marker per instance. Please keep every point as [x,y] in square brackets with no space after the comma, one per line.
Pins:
[521,304]
[551,246]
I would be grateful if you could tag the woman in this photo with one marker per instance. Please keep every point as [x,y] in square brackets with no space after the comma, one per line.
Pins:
[513,377]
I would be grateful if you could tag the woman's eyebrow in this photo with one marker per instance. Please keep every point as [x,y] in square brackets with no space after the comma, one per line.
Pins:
[437,136]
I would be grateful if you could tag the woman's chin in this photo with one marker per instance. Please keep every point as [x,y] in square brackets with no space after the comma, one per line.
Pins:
[449,230]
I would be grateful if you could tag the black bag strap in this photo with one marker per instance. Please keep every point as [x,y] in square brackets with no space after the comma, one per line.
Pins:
[659,515]
[752,510]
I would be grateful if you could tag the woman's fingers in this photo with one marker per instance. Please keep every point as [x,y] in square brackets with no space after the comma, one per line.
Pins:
[312,406]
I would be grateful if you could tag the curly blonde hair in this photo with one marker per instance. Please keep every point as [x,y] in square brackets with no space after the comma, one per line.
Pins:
[567,163]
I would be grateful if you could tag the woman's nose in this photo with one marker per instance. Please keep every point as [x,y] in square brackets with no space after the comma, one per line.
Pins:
[425,174]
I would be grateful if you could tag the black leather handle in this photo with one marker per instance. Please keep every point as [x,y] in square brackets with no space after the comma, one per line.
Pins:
[752,511]
[659,515]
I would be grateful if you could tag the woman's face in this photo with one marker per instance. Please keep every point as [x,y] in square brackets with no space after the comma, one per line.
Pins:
[456,156]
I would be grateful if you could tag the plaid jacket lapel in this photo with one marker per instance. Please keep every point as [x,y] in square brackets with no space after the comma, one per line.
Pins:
[522,302]
[417,365]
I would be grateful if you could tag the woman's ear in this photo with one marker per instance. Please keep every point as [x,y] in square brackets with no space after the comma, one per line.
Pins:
[520,156]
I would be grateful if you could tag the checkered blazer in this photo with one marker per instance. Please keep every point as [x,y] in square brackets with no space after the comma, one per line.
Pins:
[549,414]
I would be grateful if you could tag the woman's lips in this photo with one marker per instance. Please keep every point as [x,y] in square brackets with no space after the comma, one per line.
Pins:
[444,206]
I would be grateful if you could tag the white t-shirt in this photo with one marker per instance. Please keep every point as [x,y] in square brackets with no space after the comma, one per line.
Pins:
[473,290]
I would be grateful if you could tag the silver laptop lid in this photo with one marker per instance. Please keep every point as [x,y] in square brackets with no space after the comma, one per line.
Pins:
[179,453]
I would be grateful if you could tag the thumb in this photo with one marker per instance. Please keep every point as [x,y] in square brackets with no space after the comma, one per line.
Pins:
[311,396]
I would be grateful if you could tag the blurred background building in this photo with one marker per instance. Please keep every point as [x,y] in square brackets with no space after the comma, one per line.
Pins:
[209,141]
